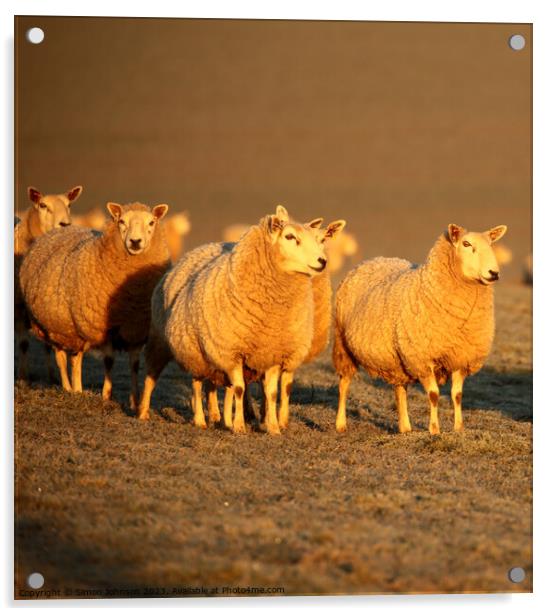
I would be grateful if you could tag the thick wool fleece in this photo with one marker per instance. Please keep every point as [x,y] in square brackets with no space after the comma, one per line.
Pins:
[396,320]
[26,232]
[83,289]
[239,306]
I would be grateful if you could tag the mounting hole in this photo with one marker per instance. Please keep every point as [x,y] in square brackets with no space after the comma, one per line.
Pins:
[35,35]
[517,42]
[35,580]
[517,575]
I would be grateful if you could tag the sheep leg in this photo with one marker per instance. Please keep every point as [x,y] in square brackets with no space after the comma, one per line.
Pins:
[457,380]
[76,361]
[341,419]
[286,382]
[157,357]
[228,407]
[271,381]
[401,402]
[196,404]
[108,365]
[430,385]
[238,382]
[213,408]
[61,361]
[134,365]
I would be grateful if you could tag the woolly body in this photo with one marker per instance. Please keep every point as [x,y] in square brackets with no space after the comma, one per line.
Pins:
[397,320]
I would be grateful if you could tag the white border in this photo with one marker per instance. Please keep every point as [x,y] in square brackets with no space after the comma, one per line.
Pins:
[538,13]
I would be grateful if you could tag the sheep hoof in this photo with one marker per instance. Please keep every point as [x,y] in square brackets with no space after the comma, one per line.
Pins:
[200,424]
[404,429]
[143,416]
[283,425]
[273,429]
[459,428]
[434,428]
[341,428]
[239,429]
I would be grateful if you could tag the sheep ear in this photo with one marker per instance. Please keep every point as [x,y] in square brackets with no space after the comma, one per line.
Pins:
[496,233]
[74,193]
[34,195]
[334,228]
[316,223]
[159,211]
[115,210]
[282,213]
[454,232]
[275,225]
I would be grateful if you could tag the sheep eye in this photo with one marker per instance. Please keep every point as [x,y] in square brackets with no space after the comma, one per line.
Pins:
[289,236]
[466,244]
[151,223]
[120,222]
[42,206]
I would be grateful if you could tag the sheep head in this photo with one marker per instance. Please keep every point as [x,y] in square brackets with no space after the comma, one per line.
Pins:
[136,224]
[474,252]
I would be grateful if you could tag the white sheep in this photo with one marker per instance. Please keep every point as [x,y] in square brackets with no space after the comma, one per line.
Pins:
[46,213]
[226,309]
[404,323]
[88,290]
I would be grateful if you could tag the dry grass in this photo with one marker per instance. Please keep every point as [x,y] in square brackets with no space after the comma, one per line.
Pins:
[104,501]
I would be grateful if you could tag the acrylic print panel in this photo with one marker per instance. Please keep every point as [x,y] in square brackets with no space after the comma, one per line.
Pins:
[399,129]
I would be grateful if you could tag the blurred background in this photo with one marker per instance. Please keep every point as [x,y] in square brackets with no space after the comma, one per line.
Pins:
[400,128]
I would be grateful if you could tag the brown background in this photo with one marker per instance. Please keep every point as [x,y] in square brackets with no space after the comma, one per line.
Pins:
[400,128]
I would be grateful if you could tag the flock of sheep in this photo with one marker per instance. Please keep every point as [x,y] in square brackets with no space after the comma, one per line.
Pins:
[252,308]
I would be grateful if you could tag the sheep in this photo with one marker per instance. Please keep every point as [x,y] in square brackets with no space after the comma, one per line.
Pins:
[89,290]
[503,254]
[226,309]
[46,213]
[404,323]
[94,218]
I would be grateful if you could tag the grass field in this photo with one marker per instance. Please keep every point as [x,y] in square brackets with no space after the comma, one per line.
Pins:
[161,508]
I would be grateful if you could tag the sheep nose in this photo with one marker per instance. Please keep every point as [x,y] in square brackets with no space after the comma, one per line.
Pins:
[64,224]
[322,262]
[494,275]
[135,243]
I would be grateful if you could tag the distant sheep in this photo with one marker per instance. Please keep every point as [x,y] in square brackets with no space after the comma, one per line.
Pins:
[177,227]
[403,323]
[94,218]
[226,309]
[503,254]
[46,213]
[89,290]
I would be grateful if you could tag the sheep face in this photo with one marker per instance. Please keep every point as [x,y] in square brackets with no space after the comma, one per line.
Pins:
[136,227]
[475,254]
[296,246]
[331,239]
[53,210]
